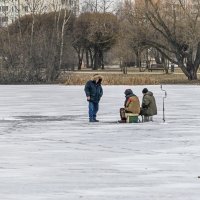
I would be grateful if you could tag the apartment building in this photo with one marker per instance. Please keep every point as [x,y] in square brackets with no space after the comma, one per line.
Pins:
[10,10]
[52,5]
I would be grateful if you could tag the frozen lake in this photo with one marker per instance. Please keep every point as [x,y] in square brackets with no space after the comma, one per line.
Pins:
[49,151]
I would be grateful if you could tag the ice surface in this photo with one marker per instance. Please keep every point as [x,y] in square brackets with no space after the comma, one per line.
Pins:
[49,151]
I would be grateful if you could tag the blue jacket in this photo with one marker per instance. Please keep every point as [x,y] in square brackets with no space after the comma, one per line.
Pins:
[94,90]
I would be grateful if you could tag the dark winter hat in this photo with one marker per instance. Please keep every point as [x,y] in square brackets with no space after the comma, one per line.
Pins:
[128,91]
[145,90]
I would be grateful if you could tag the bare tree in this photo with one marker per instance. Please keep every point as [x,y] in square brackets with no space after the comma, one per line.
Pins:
[64,23]
[134,29]
[177,34]
[49,50]
[95,33]
[35,7]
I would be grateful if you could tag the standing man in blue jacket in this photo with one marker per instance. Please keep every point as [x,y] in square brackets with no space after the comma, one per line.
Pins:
[94,92]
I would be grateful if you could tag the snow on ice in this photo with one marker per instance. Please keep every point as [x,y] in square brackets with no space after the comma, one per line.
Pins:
[49,151]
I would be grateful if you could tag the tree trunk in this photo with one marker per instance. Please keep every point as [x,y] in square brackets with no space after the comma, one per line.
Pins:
[96,58]
[64,23]
[79,62]
[192,75]
[102,60]
[192,65]
[91,59]
[80,59]
[125,69]
[157,58]
[87,59]
[32,34]
[164,63]
[138,60]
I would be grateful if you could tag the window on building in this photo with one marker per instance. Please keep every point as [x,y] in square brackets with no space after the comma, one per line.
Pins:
[4,8]
[3,19]
[26,8]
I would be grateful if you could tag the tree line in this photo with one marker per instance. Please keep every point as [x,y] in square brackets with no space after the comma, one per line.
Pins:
[39,46]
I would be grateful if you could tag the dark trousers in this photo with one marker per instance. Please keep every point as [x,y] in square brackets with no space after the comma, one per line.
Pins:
[143,111]
[122,113]
[93,109]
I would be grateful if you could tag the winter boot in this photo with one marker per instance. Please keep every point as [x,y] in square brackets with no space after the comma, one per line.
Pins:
[93,120]
[122,121]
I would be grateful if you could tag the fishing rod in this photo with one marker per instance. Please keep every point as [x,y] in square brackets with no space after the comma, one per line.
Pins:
[164,97]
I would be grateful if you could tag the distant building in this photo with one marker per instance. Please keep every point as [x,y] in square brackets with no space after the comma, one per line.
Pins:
[10,10]
[52,5]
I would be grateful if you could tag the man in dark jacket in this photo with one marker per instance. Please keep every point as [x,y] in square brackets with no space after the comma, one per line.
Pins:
[94,92]
[149,107]
[131,105]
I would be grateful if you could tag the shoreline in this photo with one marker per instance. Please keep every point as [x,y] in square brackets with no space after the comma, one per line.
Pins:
[128,79]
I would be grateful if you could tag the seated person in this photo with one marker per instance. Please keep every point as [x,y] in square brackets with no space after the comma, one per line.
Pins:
[149,107]
[131,105]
